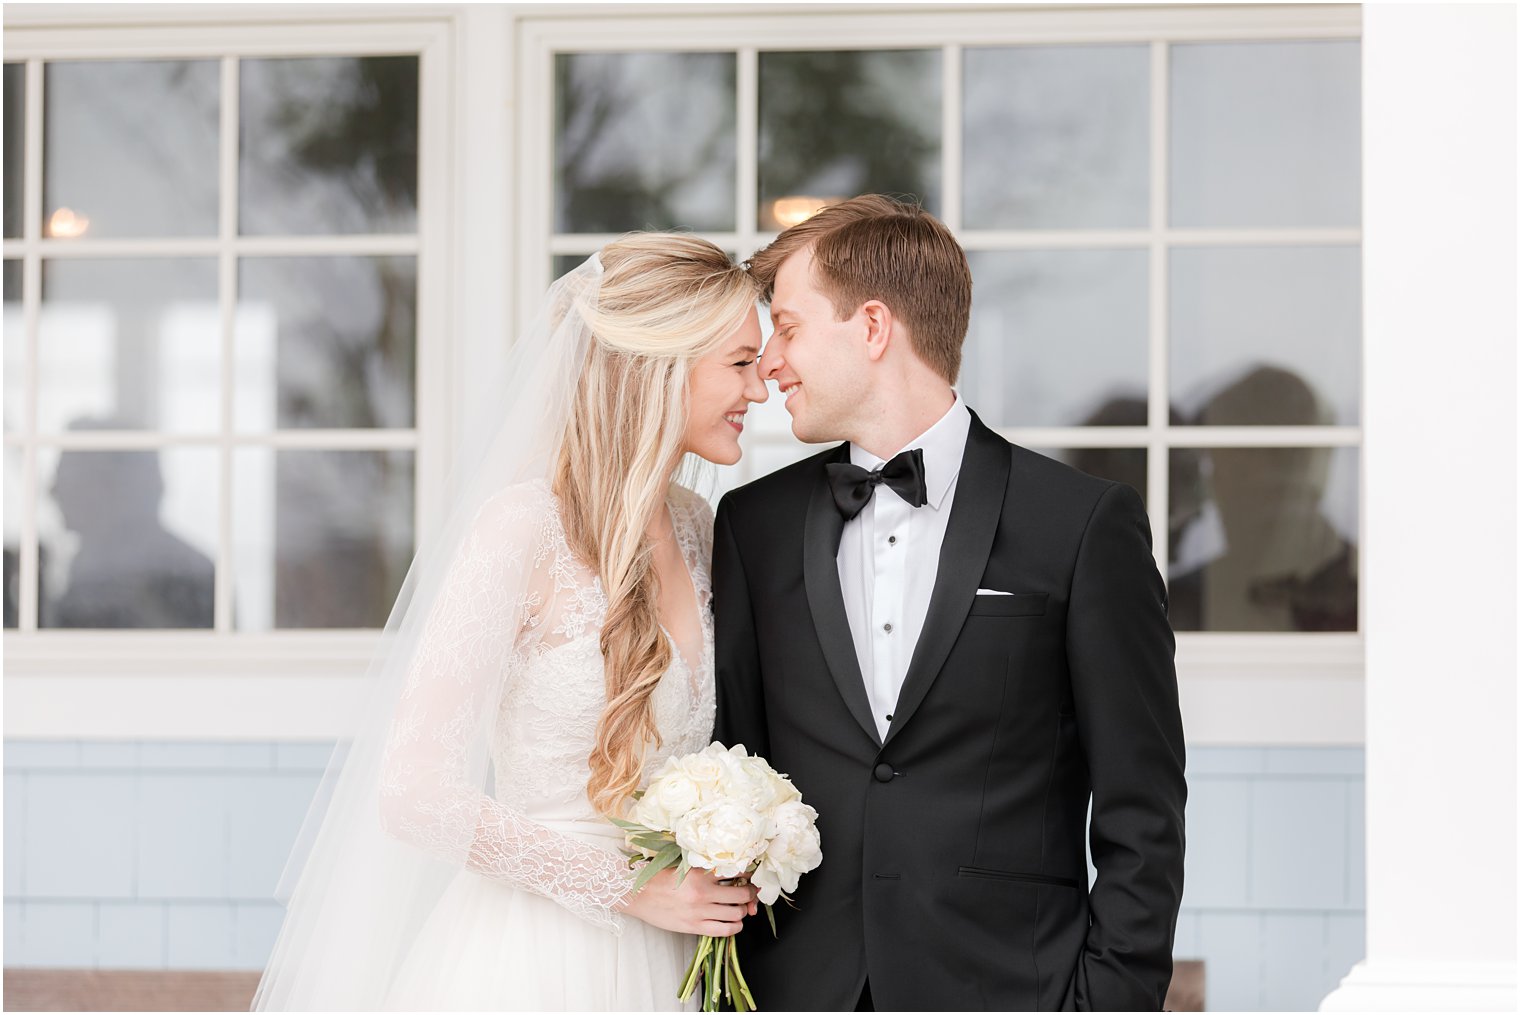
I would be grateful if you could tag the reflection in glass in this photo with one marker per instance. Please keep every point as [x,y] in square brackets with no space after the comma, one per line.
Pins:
[644,141]
[1234,309]
[15,145]
[322,538]
[326,342]
[132,344]
[1055,335]
[1266,134]
[128,538]
[1057,137]
[1272,545]
[12,576]
[15,349]
[563,264]
[328,145]
[130,149]
[837,124]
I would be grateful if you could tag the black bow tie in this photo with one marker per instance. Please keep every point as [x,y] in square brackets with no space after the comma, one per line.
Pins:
[853,486]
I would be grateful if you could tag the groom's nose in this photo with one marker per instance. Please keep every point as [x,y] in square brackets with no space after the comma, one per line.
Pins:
[773,358]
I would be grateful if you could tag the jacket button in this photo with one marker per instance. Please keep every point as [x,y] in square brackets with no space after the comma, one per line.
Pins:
[883,772]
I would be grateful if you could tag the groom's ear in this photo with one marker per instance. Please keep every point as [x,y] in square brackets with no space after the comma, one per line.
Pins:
[879,328]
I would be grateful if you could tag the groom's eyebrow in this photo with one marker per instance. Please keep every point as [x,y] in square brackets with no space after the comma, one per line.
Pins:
[779,312]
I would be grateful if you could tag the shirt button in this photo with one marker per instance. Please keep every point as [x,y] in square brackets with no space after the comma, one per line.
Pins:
[892,539]
[887,628]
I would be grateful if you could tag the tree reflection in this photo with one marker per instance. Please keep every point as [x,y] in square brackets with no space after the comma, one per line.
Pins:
[836,124]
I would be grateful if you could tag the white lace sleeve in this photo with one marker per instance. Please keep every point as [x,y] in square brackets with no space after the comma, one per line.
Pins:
[432,793]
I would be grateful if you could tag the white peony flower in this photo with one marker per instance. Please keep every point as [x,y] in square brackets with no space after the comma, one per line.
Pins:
[669,796]
[725,837]
[794,850]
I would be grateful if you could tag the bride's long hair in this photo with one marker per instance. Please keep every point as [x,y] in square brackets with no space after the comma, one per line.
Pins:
[664,301]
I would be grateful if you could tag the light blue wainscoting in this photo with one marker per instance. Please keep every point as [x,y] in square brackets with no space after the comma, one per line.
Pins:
[166,855]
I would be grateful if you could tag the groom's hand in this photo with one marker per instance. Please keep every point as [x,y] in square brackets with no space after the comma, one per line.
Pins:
[700,904]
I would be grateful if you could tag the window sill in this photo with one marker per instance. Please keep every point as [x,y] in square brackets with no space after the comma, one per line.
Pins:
[1236,689]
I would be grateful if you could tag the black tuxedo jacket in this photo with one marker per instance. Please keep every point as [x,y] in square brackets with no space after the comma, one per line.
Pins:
[954,874]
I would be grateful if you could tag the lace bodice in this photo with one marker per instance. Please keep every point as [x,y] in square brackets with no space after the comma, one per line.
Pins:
[514,642]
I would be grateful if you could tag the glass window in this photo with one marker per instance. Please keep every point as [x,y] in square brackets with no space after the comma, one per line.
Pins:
[15,145]
[1289,316]
[128,538]
[1266,134]
[323,538]
[644,141]
[834,124]
[1271,541]
[1058,337]
[129,344]
[142,427]
[1250,318]
[326,342]
[1057,137]
[328,145]
[154,124]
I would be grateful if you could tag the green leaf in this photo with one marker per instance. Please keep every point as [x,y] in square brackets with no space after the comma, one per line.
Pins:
[652,868]
[770,915]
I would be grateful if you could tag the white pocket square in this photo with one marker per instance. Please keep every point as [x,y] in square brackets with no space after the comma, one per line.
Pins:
[992,592]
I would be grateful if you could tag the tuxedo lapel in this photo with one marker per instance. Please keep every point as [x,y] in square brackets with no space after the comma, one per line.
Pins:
[820,571]
[979,493]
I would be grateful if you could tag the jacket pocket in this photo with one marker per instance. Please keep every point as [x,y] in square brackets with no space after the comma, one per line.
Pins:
[1025,604]
[997,875]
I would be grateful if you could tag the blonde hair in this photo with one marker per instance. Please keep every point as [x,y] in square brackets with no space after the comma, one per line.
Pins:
[664,301]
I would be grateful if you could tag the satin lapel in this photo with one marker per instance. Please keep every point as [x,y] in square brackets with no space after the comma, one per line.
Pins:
[820,572]
[979,493]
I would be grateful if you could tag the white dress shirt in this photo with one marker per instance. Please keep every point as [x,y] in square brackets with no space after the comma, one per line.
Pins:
[889,557]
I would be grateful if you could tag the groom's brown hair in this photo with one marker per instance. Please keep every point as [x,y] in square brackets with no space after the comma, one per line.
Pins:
[879,248]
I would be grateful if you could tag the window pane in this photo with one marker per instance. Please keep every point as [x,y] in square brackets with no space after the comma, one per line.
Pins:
[1271,545]
[1057,137]
[323,538]
[15,350]
[13,480]
[644,141]
[1057,336]
[1268,335]
[131,149]
[128,538]
[326,342]
[15,145]
[837,124]
[1266,134]
[129,345]
[328,145]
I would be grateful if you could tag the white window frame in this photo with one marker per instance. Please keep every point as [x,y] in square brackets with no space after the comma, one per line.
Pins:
[296,684]
[1289,688]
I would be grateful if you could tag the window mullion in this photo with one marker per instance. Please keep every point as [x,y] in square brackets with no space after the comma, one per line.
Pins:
[227,296]
[31,311]
[747,96]
[1158,469]
[950,138]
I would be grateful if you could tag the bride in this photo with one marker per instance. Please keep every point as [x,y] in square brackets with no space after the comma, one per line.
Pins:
[549,649]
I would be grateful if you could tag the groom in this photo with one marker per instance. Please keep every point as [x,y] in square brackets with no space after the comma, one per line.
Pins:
[952,645]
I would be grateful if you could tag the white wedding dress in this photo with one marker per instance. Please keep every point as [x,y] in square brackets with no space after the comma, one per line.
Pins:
[528,923]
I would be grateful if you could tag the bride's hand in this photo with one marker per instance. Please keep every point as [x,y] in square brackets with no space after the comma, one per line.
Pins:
[700,904]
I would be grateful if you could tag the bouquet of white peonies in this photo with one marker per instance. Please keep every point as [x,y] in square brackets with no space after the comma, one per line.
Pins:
[723,810]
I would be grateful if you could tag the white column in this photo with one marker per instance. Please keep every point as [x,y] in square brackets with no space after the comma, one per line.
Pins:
[1440,384]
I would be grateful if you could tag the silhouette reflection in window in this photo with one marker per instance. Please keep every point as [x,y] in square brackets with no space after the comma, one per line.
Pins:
[1277,563]
[129,570]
